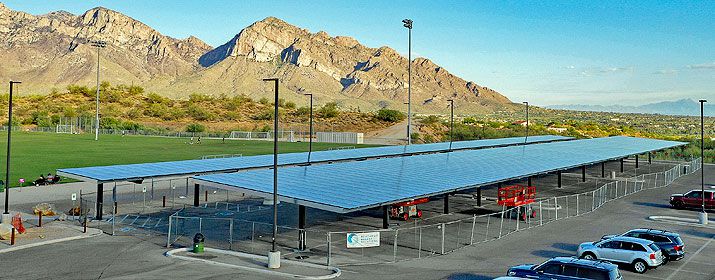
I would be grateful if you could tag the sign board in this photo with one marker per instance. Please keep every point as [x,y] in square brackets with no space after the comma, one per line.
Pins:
[363,239]
[74,196]
[144,189]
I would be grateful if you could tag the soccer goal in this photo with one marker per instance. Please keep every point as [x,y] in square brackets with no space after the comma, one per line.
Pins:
[65,128]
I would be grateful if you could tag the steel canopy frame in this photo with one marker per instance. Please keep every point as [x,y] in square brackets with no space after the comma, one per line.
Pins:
[250,181]
[113,173]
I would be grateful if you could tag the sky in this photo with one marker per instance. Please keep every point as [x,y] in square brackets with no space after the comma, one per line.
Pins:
[545,52]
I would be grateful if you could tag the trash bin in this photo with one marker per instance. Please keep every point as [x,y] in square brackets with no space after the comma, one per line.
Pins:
[198,243]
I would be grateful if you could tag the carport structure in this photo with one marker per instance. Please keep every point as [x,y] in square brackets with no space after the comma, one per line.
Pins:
[359,185]
[186,168]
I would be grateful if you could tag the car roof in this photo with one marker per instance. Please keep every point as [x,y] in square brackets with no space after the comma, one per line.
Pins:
[655,231]
[698,190]
[632,239]
[592,263]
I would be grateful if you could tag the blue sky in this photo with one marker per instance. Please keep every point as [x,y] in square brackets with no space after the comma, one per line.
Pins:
[546,52]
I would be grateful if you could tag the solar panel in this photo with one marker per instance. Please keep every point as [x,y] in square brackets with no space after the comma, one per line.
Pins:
[357,185]
[129,172]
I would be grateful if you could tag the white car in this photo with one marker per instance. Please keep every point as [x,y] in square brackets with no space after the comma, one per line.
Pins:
[641,254]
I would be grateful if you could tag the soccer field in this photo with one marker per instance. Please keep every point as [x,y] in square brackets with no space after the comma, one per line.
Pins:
[35,153]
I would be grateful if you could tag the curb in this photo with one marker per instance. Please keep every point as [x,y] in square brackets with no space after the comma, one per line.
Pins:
[336,271]
[682,221]
[91,232]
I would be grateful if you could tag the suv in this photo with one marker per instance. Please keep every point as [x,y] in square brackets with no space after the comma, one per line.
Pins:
[567,268]
[693,199]
[641,254]
[669,242]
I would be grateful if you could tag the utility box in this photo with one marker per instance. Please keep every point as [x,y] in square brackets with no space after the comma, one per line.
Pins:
[199,243]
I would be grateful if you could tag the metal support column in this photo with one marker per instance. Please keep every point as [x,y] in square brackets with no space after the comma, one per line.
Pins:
[446,203]
[100,200]
[385,217]
[636,161]
[196,195]
[603,169]
[583,173]
[301,228]
[621,165]
[529,181]
[650,160]
[558,173]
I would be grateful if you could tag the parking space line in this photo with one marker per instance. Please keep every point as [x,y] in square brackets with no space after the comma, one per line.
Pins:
[691,257]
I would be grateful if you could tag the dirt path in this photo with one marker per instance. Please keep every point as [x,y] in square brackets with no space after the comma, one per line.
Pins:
[393,135]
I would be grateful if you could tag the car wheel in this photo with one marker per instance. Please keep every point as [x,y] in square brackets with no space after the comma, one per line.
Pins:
[588,256]
[678,205]
[666,259]
[640,266]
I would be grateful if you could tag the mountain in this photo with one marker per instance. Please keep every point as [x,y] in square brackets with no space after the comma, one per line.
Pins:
[682,107]
[52,50]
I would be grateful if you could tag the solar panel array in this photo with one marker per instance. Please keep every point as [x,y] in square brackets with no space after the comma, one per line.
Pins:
[357,185]
[128,172]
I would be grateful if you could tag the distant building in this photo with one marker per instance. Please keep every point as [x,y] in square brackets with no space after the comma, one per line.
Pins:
[521,123]
[557,129]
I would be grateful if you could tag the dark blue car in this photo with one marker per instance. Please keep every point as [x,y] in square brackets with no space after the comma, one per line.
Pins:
[567,268]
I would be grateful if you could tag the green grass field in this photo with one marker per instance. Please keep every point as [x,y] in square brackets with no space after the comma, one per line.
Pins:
[35,153]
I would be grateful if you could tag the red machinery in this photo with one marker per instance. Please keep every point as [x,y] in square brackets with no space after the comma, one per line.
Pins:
[518,198]
[407,209]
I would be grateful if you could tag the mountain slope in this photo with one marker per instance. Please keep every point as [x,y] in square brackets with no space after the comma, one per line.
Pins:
[52,50]
[682,107]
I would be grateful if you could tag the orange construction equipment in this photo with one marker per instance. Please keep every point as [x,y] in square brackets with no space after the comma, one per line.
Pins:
[516,195]
[405,210]
[17,223]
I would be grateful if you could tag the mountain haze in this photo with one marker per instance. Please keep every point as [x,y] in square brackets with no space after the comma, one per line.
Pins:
[682,107]
[52,51]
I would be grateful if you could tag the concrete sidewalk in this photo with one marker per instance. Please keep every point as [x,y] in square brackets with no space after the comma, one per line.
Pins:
[256,264]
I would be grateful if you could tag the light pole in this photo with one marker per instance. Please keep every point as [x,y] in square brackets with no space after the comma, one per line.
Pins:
[6,187]
[408,24]
[703,215]
[451,121]
[274,257]
[99,45]
[527,121]
[310,145]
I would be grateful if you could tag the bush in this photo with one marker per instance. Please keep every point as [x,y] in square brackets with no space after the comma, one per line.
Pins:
[389,115]
[263,101]
[431,119]
[290,105]
[303,111]
[195,127]
[199,114]
[329,110]
[469,120]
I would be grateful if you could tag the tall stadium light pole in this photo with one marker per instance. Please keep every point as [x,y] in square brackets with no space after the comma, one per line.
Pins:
[451,121]
[99,45]
[703,215]
[408,24]
[274,256]
[527,122]
[310,145]
[6,187]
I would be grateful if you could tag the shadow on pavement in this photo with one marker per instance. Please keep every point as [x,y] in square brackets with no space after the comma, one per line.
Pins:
[468,276]
[651,204]
[551,253]
[565,246]
[697,233]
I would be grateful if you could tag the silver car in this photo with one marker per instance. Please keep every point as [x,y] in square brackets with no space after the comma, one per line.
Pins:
[641,254]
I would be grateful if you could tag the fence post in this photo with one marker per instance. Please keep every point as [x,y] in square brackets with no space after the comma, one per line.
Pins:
[486,233]
[443,228]
[541,217]
[518,217]
[394,247]
[329,249]
[474,222]
[168,235]
[200,224]
[577,205]
[501,224]
[593,201]
[230,235]
[556,209]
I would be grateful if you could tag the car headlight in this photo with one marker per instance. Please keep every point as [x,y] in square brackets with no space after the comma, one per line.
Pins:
[511,273]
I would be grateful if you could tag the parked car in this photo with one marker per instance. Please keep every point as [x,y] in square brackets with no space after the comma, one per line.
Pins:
[510,278]
[693,199]
[641,254]
[567,268]
[669,243]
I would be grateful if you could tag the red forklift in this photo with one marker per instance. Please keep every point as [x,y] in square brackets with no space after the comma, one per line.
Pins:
[518,199]
[405,210]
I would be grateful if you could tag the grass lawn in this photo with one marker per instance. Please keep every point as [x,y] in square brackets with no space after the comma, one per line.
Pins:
[35,153]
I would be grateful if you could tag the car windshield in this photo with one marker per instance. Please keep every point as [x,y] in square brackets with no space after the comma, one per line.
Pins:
[653,247]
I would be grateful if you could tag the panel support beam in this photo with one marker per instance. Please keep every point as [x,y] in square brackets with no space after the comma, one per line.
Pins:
[621,165]
[385,217]
[583,173]
[528,182]
[100,200]
[301,228]
[636,161]
[558,174]
[479,197]
[196,195]
[603,169]
[446,203]
[650,157]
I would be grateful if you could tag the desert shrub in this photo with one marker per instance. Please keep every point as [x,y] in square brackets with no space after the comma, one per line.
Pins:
[198,113]
[431,119]
[329,110]
[195,127]
[303,111]
[263,101]
[290,105]
[390,115]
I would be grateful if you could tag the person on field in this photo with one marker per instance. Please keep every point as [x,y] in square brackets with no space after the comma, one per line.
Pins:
[40,181]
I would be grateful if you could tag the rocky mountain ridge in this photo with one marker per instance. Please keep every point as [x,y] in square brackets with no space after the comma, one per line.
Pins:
[52,50]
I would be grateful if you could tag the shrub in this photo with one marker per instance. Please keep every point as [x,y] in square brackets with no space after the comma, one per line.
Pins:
[263,101]
[329,110]
[303,111]
[199,114]
[290,105]
[195,127]
[431,119]
[389,115]
[469,120]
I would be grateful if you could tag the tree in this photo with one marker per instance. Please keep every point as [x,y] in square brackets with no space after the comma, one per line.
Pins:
[389,115]
[195,127]
[329,110]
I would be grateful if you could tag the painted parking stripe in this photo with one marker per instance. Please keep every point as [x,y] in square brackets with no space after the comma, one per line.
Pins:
[691,257]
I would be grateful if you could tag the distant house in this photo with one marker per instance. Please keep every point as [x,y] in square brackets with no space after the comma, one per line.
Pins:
[557,129]
[521,123]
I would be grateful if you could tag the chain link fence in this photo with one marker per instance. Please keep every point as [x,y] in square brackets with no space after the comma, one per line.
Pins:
[442,238]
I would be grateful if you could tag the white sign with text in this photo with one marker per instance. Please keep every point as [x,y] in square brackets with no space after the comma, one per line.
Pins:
[363,239]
